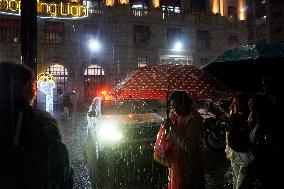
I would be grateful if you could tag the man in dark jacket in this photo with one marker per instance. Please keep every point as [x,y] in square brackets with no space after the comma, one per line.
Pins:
[33,155]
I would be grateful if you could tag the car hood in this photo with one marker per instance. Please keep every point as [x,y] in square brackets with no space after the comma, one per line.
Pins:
[133,118]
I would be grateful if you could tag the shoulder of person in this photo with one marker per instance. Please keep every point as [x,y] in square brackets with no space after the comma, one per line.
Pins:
[43,122]
[195,114]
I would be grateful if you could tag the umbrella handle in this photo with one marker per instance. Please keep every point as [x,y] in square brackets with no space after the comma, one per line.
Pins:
[167,127]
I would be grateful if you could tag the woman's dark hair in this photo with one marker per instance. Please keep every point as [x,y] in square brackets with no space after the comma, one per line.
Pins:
[243,99]
[181,97]
[14,77]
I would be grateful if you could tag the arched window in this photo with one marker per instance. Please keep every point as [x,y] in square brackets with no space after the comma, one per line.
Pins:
[94,70]
[94,81]
[60,76]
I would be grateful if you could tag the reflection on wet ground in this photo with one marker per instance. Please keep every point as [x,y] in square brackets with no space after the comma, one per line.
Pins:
[218,172]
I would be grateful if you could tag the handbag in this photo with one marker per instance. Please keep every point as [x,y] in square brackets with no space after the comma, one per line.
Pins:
[161,146]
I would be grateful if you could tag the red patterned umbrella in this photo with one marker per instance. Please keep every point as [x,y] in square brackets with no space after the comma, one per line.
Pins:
[153,82]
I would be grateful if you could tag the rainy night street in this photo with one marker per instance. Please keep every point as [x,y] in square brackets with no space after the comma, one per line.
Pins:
[141,94]
[73,131]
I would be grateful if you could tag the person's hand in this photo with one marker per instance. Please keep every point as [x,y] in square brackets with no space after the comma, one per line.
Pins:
[167,125]
[171,133]
[170,136]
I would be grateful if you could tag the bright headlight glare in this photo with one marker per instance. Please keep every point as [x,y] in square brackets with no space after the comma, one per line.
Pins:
[108,131]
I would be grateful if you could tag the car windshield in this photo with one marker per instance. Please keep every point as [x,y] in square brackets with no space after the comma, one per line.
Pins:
[125,107]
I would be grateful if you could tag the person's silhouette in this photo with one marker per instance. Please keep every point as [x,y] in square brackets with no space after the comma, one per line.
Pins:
[33,155]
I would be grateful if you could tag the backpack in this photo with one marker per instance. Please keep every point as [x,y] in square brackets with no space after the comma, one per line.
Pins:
[238,133]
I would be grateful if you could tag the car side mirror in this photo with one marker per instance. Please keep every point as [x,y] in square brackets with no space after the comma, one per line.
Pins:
[92,114]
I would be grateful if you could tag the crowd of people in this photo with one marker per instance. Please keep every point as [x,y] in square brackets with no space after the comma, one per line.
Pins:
[33,155]
[252,139]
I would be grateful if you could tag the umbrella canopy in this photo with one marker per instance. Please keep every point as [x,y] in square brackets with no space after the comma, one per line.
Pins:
[242,68]
[252,52]
[157,81]
[69,93]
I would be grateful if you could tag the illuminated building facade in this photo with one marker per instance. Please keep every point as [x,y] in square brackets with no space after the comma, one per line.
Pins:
[130,34]
[265,21]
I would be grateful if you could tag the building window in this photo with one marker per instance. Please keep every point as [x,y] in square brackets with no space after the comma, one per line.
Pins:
[260,10]
[140,4]
[54,32]
[140,7]
[232,12]
[10,30]
[94,70]
[261,21]
[234,40]
[94,81]
[142,35]
[173,35]
[171,5]
[142,62]
[60,76]
[203,39]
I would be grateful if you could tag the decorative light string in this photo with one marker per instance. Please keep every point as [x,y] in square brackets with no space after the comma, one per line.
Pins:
[46,84]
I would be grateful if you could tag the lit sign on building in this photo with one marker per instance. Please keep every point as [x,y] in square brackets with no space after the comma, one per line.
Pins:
[47,9]
[46,84]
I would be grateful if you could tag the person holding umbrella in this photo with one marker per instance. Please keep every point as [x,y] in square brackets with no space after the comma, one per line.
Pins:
[67,106]
[184,154]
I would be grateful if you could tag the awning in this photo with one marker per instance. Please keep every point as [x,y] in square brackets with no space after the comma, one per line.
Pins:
[10,23]
[54,26]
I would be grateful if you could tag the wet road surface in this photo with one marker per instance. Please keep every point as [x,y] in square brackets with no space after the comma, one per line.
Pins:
[218,172]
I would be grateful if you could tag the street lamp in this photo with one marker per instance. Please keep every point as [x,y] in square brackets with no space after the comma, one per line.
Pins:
[94,45]
[177,46]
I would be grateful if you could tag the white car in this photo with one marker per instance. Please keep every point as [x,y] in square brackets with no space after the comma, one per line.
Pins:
[119,146]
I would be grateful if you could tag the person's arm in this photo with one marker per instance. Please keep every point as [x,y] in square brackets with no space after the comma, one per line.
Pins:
[183,141]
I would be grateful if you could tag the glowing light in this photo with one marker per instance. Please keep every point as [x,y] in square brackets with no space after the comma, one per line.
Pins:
[215,6]
[46,84]
[124,1]
[52,9]
[109,2]
[108,131]
[94,45]
[155,3]
[104,93]
[221,8]
[177,46]
[242,5]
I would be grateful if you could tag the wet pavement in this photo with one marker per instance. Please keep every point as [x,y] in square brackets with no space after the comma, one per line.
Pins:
[218,172]
[74,134]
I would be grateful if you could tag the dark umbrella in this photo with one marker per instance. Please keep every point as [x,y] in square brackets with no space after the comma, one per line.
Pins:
[69,93]
[242,67]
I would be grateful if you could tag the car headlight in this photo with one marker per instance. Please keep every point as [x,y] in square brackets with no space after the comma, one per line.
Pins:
[109,131]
